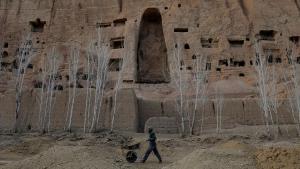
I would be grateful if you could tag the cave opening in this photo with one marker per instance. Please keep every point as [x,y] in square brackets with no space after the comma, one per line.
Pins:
[152,58]
[37,25]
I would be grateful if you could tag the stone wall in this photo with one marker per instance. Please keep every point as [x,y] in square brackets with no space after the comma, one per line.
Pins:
[135,114]
[126,115]
[235,113]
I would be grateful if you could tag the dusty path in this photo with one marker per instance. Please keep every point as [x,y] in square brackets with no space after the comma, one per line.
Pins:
[103,151]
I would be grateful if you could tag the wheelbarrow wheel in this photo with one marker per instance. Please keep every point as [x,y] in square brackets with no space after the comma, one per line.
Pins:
[131,156]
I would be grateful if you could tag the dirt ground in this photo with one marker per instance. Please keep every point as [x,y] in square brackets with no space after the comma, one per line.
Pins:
[104,151]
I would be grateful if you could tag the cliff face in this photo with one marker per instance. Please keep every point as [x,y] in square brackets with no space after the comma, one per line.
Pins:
[210,28]
[222,30]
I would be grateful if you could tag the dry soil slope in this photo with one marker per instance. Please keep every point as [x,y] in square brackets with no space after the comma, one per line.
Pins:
[231,155]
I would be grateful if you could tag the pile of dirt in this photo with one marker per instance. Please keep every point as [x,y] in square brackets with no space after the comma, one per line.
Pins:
[206,140]
[65,157]
[114,139]
[230,155]
[278,158]
[235,145]
[104,137]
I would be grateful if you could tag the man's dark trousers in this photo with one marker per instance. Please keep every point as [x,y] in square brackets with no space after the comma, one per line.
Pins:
[152,147]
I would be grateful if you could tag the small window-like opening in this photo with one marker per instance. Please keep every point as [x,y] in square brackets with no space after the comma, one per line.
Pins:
[67,77]
[181,63]
[181,30]
[236,43]
[38,85]
[179,5]
[79,75]
[267,35]
[270,59]
[4,54]
[242,75]
[218,69]
[5,45]
[103,25]
[15,64]
[58,87]
[251,62]
[208,66]
[295,39]
[194,57]
[79,86]
[30,66]
[115,65]
[29,127]
[278,60]
[231,61]
[79,5]
[37,25]
[58,77]
[85,77]
[128,81]
[242,63]
[189,68]
[166,8]
[239,63]
[5,65]
[117,43]
[209,43]
[186,46]
[120,22]
[298,60]
[223,62]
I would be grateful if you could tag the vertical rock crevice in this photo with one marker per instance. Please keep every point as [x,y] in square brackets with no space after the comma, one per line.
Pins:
[120,2]
[53,12]
[244,8]
[297,5]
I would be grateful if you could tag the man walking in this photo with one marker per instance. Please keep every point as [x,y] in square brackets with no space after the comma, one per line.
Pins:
[152,146]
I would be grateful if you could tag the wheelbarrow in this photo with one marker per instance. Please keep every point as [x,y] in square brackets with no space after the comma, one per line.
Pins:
[130,152]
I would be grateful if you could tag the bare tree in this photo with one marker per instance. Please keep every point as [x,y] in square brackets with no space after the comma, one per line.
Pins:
[274,101]
[293,86]
[122,65]
[23,59]
[267,86]
[180,79]
[89,78]
[203,102]
[199,80]
[73,69]
[1,55]
[47,98]
[44,74]
[100,59]
[219,102]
